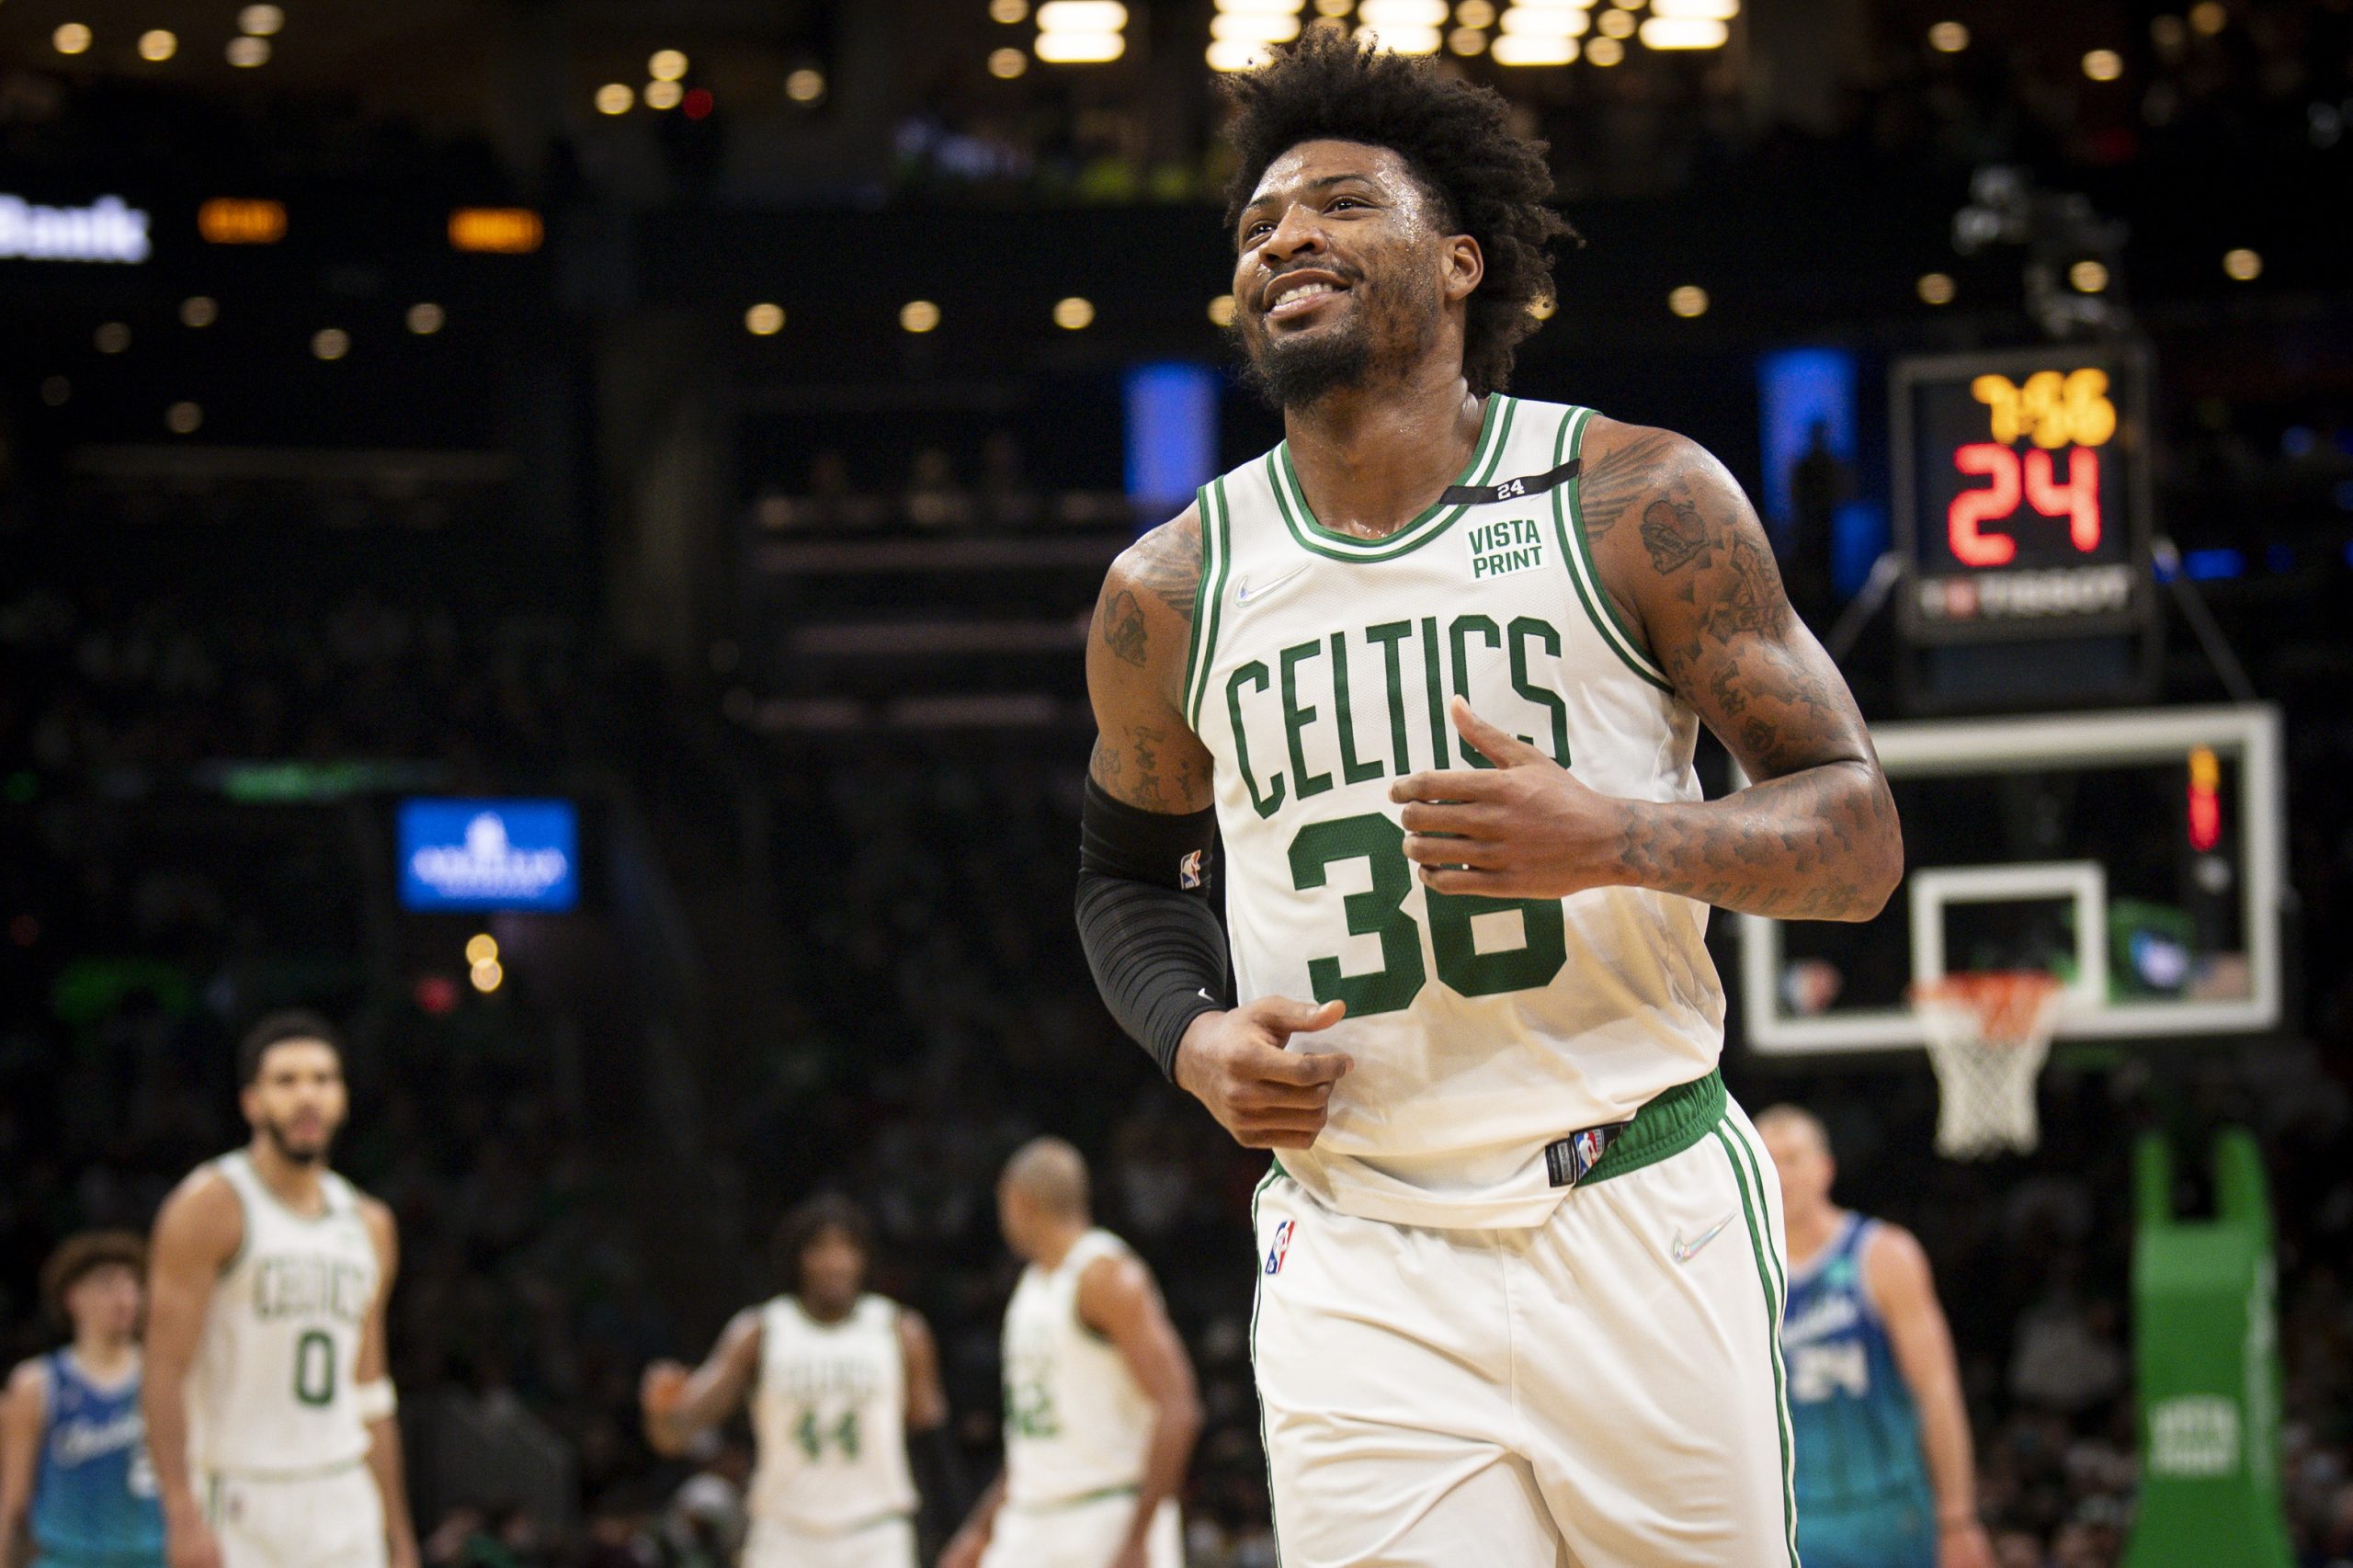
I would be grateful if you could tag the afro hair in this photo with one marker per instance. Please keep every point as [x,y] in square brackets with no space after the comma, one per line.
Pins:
[1456,137]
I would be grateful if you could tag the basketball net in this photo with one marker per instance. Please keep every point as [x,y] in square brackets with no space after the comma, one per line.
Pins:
[1988,1036]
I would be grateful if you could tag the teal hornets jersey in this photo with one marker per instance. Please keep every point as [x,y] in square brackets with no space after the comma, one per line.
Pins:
[1862,1481]
[94,1493]
[1483,1029]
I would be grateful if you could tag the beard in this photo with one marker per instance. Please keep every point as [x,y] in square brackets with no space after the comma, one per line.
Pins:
[1394,322]
[298,1154]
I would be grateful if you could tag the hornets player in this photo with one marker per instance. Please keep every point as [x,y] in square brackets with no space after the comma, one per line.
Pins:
[1885,1477]
[72,1444]
[1434,668]
[842,1382]
[270,1410]
[1100,1409]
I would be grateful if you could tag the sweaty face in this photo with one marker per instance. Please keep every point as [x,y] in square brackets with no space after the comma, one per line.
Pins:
[1804,1167]
[106,1301]
[1340,272]
[297,1100]
[832,1271]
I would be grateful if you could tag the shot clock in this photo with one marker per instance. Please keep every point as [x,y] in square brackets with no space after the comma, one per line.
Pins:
[2022,514]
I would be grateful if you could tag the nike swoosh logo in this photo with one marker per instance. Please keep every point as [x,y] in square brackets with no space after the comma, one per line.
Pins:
[1685,1251]
[1243,594]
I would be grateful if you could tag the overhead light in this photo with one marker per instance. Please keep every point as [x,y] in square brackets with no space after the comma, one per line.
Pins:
[112,337]
[246,53]
[1697,10]
[918,316]
[1543,307]
[2088,277]
[1684,32]
[198,311]
[1335,9]
[1948,38]
[2208,18]
[1691,302]
[260,21]
[615,97]
[1403,40]
[1254,27]
[158,44]
[662,95]
[1535,49]
[667,65]
[1005,64]
[498,230]
[1382,15]
[1467,41]
[764,319]
[2243,266]
[1082,17]
[1260,7]
[1009,12]
[1936,289]
[487,976]
[1074,315]
[805,85]
[1543,21]
[1235,53]
[1070,48]
[240,220]
[1616,23]
[2103,66]
[184,418]
[1605,51]
[331,343]
[425,318]
[1222,310]
[71,38]
[1475,14]
[481,948]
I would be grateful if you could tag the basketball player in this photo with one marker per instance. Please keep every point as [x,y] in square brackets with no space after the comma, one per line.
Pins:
[1886,1478]
[1435,668]
[1101,1411]
[842,1382]
[269,1403]
[72,1444]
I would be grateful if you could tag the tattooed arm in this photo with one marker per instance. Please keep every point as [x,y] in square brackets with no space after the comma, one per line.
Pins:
[1145,753]
[1686,565]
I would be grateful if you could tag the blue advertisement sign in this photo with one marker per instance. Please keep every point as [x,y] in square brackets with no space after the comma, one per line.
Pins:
[487,855]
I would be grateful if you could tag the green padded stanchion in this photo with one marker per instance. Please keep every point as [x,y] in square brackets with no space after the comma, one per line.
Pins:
[2206,1352]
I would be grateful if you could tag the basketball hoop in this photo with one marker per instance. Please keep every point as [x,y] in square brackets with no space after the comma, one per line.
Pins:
[1988,1036]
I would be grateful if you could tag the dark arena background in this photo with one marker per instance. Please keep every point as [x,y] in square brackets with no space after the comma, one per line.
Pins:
[561,534]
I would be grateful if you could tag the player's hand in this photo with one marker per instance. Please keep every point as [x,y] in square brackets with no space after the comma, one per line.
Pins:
[1965,1545]
[659,1389]
[1525,828]
[963,1550]
[189,1541]
[1267,1097]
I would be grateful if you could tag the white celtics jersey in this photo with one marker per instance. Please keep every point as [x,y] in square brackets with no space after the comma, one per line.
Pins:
[1077,1422]
[830,1412]
[271,1390]
[1482,1030]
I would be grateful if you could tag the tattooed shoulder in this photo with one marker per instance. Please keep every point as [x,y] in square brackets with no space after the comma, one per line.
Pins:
[1166,562]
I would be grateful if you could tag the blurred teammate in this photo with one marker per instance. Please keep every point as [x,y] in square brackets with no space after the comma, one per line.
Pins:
[270,1410]
[1101,1411]
[1433,670]
[72,1443]
[842,1383]
[1885,1475]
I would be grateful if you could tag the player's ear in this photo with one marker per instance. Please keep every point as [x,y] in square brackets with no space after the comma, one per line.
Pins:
[1465,266]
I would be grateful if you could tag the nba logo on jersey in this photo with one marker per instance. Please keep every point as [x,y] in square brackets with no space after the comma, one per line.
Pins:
[1189,870]
[1279,1249]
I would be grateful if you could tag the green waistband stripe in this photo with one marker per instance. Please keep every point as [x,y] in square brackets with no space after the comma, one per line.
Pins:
[1669,1124]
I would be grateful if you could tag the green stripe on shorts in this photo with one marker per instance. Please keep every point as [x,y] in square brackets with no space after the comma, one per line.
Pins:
[1749,1207]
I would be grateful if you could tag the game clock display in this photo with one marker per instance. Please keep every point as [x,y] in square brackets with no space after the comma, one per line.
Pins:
[2021,488]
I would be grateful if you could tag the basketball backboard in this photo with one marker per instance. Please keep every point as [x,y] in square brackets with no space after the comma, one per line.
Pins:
[2138,855]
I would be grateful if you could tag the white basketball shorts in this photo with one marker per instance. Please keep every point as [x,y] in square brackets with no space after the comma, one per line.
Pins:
[887,1542]
[1083,1534]
[331,1520]
[1600,1391]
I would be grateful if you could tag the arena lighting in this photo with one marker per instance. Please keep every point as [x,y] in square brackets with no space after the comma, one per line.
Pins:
[1475,14]
[1253,28]
[71,38]
[1691,302]
[805,85]
[1222,310]
[107,230]
[1384,15]
[1234,53]
[112,337]
[1467,41]
[1605,51]
[1684,32]
[2243,266]
[246,53]
[1074,315]
[425,318]
[1543,309]
[764,319]
[184,418]
[1081,32]
[500,231]
[158,45]
[1005,64]
[2088,277]
[1616,23]
[481,948]
[1335,9]
[1936,289]
[331,343]
[1260,7]
[260,21]
[2103,66]
[200,311]
[1948,38]
[240,220]
[1403,40]
[1009,12]
[2208,18]
[1697,10]
[667,65]
[1543,21]
[918,316]
[487,975]
[1068,48]
[1535,49]
[615,97]
[662,95]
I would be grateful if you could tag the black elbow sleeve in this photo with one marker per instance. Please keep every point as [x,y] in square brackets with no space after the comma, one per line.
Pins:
[1153,941]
